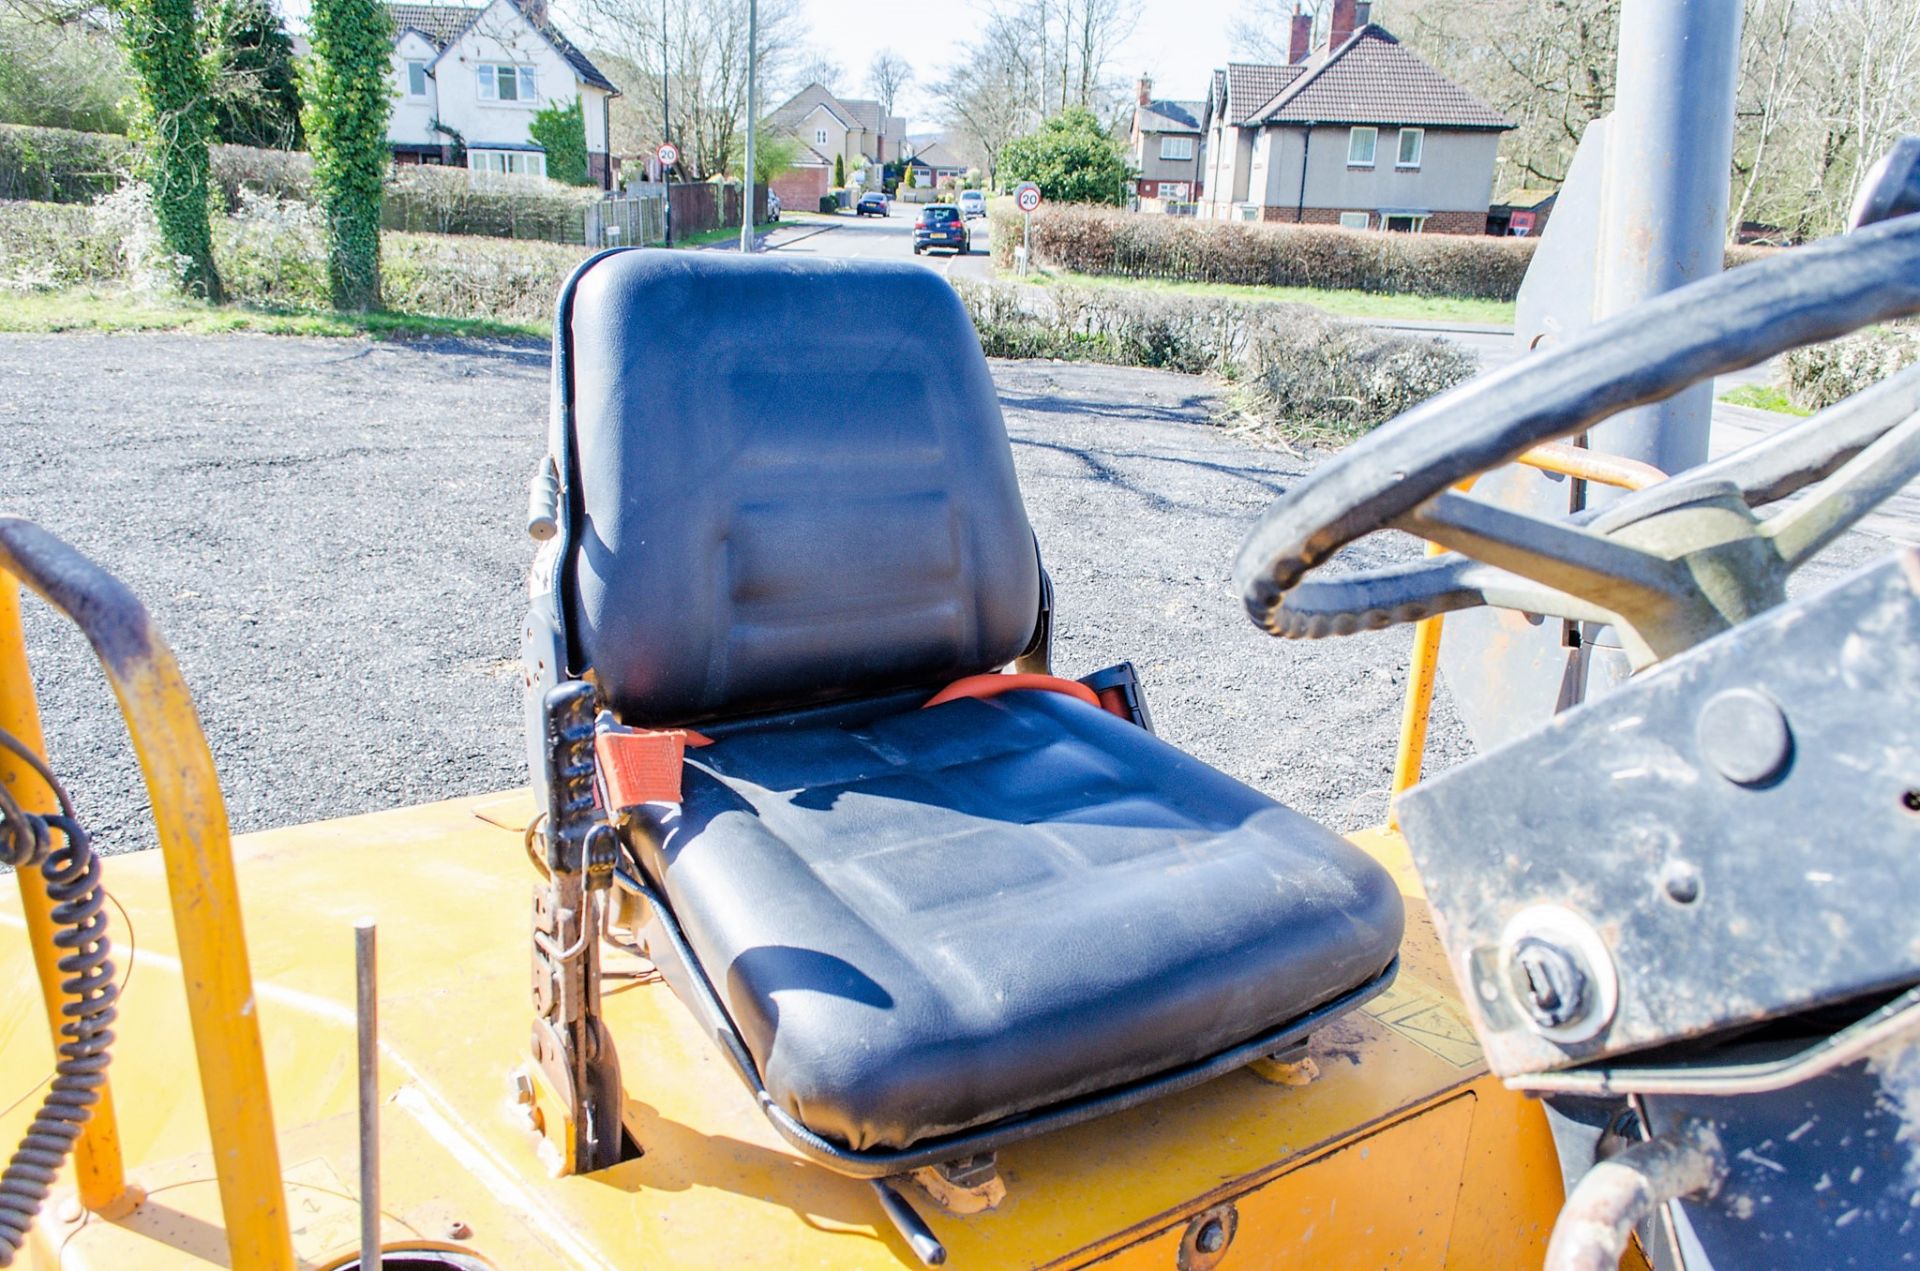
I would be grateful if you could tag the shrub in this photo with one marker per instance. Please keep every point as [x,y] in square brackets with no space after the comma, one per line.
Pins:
[60,74]
[830,202]
[256,92]
[427,198]
[562,131]
[1298,372]
[493,278]
[46,246]
[1071,158]
[348,101]
[1823,374]
[276,174]
[54,165]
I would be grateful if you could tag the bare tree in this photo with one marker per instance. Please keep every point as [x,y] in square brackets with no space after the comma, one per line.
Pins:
[887,74]
[705,55]
[818,68]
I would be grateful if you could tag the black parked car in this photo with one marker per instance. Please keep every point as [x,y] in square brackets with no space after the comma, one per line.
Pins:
[874,203]
[941,225]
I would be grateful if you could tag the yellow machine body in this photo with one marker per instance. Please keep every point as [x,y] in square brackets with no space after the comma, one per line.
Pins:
[1401,1151]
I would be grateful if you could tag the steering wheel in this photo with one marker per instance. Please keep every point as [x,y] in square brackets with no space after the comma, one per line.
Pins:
[1669,565]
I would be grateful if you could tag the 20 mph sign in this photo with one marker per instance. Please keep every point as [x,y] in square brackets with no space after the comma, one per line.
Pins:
[668,154]
[1026,196]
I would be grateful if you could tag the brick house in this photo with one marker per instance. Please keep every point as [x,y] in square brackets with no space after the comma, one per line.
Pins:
[1357,132]
[854,130]
[469,80]
[1167,143]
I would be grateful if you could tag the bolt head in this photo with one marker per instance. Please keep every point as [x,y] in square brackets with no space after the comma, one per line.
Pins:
[1212,1237]
[457,1230]
[1744,736]
[1549,981]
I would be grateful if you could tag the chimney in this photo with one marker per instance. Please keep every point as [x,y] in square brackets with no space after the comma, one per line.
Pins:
[1301,42]
[1340,29]
[1362,14]
[536,11]
[1146,91]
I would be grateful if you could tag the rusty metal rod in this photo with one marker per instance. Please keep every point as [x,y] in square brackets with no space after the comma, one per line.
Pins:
[367,1011]
[1619,1193]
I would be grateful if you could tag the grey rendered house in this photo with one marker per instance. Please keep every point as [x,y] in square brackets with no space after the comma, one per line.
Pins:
[1360,133]
[1167,145]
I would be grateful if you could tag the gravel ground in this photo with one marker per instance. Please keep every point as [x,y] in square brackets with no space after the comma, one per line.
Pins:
[328,532]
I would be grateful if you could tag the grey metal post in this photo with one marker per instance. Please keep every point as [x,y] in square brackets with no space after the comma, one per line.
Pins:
[753,119]
[367,1004]
[1663,207]
[666,127]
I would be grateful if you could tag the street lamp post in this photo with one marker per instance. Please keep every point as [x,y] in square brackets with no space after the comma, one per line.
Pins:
[753,120]
[666,127]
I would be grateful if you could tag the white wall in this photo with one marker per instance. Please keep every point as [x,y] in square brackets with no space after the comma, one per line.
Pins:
[501,35]
[593,104]
[412,118]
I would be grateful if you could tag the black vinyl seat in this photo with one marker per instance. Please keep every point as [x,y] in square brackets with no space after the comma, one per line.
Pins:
[790,516]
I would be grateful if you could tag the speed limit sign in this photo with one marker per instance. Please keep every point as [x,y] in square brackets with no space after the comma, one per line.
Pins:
[1026,196]
[668,154]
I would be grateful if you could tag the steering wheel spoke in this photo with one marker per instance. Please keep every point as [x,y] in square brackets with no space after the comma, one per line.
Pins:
[1864,482]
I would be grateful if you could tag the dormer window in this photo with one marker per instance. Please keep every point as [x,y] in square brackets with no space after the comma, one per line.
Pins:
[501,82]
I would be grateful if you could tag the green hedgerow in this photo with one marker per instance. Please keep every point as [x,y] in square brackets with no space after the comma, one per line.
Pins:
[348,100]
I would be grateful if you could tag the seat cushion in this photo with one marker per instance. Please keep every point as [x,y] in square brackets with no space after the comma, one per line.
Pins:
[789,483]
[935,919]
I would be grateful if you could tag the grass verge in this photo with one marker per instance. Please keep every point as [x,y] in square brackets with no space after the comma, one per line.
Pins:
[88,310]
[726,234]
[1344,304]
[1762,397]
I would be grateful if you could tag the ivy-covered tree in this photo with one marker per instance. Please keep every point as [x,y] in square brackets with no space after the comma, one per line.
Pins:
[163,41]
[1070,157]
[256,98]
[562,131]
[348,99]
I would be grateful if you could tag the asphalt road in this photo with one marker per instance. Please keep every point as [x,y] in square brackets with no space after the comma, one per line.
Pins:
[330,534]
[851,237]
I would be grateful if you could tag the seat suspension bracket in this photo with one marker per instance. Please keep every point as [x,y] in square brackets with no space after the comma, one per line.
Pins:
[576,1077]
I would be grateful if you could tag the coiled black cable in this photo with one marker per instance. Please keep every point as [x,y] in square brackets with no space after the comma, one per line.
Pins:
[72,875]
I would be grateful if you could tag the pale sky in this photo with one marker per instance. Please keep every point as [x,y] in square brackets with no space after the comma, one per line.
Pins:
[1178,42]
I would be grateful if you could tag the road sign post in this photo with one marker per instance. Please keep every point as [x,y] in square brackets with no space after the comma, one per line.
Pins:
[666,156]
[1026,197]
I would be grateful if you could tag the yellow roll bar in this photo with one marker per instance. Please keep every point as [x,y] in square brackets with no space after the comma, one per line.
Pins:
[190,818]
[1424,664]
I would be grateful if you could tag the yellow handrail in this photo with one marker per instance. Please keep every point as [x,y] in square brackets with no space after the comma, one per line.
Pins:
[191,822]
[1423,665]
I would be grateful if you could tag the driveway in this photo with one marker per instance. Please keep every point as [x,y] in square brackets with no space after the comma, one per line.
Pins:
[849,237]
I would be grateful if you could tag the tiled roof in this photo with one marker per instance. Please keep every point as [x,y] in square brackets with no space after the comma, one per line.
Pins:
[1170,116]
[444,23]
[1373,79]
[1249,87]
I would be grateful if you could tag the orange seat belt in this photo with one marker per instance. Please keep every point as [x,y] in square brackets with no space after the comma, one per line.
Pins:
[642,765]
[992,685]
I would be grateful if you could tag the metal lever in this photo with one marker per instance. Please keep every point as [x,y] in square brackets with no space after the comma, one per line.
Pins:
[367,1004]
[543,502]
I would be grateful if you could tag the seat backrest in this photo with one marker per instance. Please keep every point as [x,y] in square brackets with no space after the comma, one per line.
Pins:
[787,482]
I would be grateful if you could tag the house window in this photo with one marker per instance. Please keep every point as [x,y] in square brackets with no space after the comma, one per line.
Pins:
[1412,142]
[519,163]
[819,136]
[503,83]
[416,79]
[1405,223]
[1360,144]
[1174,191]
[1176,148]
[1246,211]
[1356,220]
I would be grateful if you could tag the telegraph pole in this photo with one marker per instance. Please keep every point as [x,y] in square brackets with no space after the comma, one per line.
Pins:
[753,120]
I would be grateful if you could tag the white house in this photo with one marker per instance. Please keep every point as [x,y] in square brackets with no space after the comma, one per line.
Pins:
[469,81]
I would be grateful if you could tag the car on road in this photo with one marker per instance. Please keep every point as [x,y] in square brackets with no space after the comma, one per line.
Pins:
[972,203]
[873,203]
[941,225]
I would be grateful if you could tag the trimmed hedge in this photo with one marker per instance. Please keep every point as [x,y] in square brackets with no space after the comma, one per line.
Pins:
[1823,374]
[1299,373]
[274,254]
[1105,241]
[53,165]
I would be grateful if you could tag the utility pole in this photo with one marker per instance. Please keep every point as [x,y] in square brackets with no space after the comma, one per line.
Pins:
[753,120]
[666,125]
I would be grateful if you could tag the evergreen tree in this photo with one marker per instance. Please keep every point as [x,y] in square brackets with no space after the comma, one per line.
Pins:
[163,43]
[839,171]
[257,97]
[1070,157]
[562,131]
[348,99]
